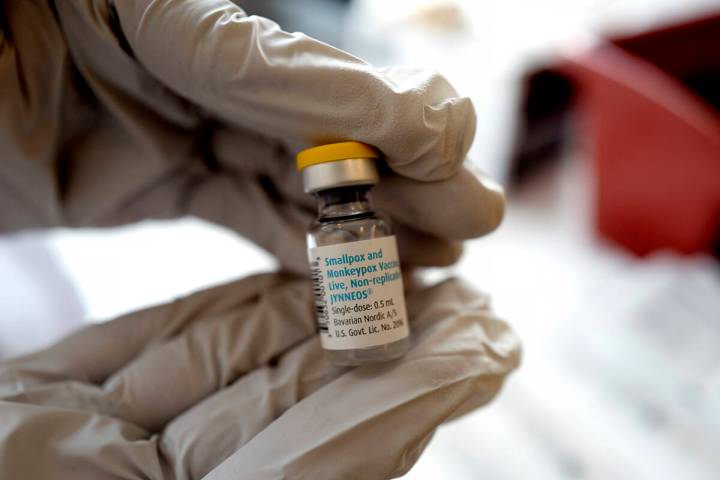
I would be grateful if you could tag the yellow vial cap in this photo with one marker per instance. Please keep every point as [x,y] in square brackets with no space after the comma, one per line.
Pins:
[333,152]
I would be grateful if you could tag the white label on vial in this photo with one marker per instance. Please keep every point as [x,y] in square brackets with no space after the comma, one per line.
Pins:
[359,296]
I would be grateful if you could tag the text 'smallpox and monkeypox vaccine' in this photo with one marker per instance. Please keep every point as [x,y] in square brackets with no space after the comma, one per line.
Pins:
[359,298]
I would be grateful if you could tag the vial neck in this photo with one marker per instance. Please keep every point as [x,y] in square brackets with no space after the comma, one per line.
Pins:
[340,202]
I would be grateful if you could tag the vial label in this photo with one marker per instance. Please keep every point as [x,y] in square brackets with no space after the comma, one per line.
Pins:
[359,296]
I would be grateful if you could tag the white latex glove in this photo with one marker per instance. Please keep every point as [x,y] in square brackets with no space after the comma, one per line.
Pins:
[111,112]
[231,384]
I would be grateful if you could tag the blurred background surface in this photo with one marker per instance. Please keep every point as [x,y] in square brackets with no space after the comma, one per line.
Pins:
[621,372]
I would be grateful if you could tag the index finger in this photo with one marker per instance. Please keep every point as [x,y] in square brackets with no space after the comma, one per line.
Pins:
[249,72]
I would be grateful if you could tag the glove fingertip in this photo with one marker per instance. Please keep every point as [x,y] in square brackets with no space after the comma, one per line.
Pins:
[433,132]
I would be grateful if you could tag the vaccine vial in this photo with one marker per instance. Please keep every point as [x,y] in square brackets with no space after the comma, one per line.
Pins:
[358,286]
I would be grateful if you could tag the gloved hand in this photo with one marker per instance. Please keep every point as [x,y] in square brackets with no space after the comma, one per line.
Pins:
[112,112]
[231,383]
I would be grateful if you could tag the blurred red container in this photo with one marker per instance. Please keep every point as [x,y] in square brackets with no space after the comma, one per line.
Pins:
[650,106]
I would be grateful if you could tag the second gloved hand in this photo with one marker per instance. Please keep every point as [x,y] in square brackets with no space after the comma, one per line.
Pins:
[231,384]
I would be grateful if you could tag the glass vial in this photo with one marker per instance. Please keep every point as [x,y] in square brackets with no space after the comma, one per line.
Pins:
[359,300]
